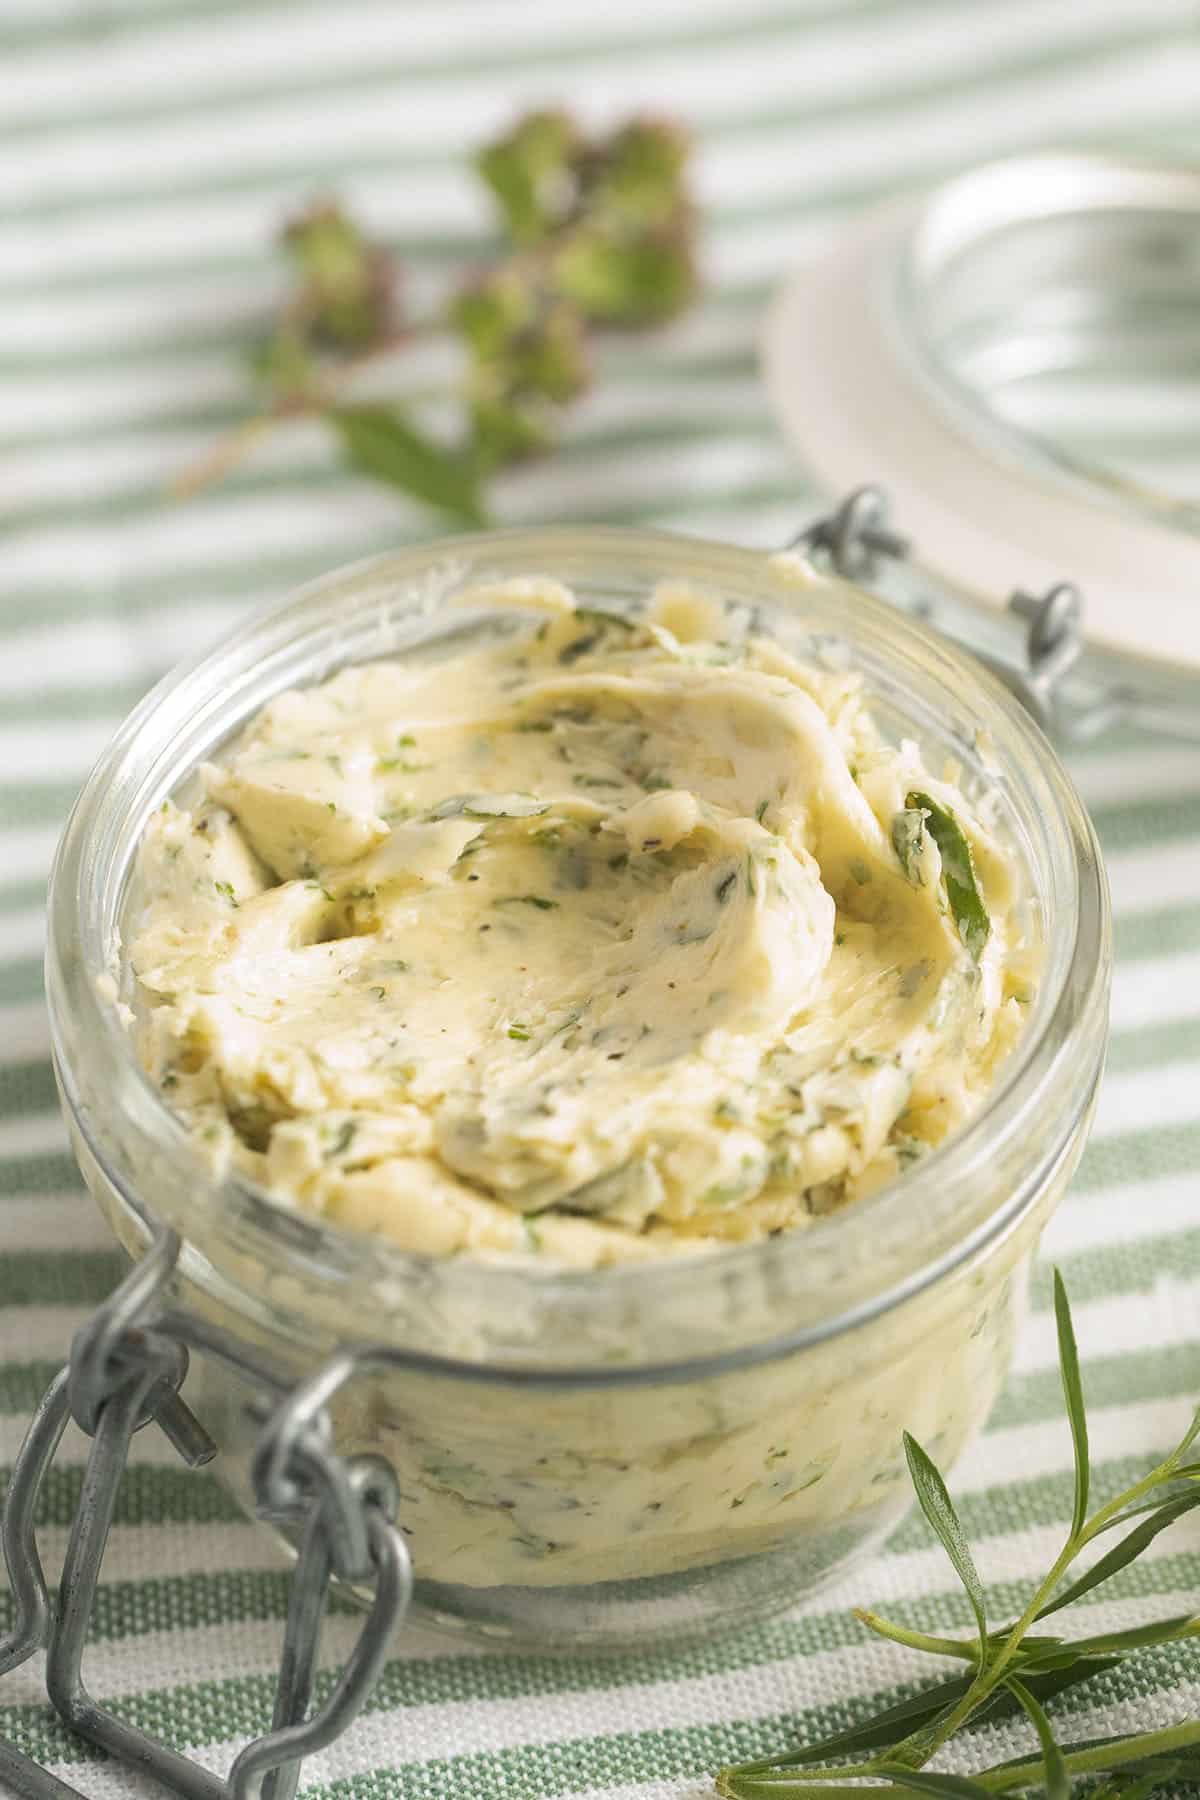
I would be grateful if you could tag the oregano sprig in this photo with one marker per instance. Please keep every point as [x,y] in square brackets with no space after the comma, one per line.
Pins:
[1016,1666]
[596,233]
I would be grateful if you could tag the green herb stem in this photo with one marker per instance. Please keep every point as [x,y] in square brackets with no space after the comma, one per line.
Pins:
[964,1648]
[1014,1665]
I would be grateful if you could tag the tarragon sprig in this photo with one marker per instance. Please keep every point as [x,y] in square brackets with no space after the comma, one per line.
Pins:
[1014,1666]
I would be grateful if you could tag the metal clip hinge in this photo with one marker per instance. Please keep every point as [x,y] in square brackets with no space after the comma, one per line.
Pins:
[857,542]
[125,1372]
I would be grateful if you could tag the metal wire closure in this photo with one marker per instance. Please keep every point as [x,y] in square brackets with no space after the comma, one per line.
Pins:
[125,1371]
[857,542]
[855,535]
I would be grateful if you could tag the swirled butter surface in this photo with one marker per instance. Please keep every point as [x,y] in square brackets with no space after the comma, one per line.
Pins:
[609,936]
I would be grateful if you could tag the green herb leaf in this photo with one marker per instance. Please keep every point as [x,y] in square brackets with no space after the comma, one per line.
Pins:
[1058,1786]
[493,312]
[1138,1637]
[491,806]
[531,173]
[381,443]
[725,887]
[1068,1363]
[345,1137]
[896,1723]
[509,428]
[887,1727]
[1165,1764]
[533,1237]
[908,841]
[1170,1769]
[347,300]
[1122,1554]
[938,1508]
[640,178]
[918,1781]
[1135,1790]
[958,872]
[618,280]
[1185,1443]
[600,615]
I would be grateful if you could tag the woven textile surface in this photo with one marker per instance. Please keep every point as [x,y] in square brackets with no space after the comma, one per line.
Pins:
[148,149]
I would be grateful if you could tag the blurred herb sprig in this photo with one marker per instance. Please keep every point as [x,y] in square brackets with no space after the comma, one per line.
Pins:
[1013,1667]
[596,233]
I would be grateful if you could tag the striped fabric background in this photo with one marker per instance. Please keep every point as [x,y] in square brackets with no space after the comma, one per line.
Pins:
[147,150]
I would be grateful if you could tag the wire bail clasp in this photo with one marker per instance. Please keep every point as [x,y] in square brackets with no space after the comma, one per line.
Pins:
[125,1371]
[855,535]
[856,540]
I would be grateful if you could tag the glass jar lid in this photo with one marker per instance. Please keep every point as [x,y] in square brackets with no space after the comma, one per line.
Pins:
[1014,358]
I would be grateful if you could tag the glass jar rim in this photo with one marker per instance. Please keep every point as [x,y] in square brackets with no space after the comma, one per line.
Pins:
[95,1054]
[961,223]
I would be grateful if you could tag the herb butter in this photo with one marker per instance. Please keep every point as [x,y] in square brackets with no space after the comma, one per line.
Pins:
[614,936]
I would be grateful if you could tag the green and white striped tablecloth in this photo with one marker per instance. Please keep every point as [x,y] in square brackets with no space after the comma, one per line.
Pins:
[147,151]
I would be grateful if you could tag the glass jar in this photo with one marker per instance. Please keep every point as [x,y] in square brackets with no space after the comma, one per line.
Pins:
[603,1456]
